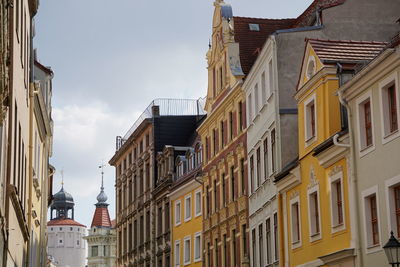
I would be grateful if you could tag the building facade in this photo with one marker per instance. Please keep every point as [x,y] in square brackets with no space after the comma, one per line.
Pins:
[42,127]
[165,121]
[372,98]
[186,207]
[66,243]
[102,238]
[316,192]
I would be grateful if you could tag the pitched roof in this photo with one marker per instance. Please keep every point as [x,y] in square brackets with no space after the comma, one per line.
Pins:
[252,41]
[113,223]
[308,16]
[346,51]
[64,222]
[101,217]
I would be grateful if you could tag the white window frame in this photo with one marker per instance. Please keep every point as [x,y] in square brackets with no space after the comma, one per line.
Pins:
[390,204]
[307,124]
[249,109]
[271,78]
[387,136]
[197,206]
[297,243]
[363,150]
[263,86]
[177,253]
[314,236]
[188,217]
[187,239]
[178,222]
[365,195]
[336,227]
[257,105]
[197,259]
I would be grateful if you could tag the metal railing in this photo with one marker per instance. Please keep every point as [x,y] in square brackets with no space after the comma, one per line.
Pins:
[166,107]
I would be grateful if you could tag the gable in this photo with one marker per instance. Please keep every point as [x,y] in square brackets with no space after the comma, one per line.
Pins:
[311,64]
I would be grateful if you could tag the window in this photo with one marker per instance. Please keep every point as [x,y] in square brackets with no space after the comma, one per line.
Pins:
[166,214]
[233,238]
[313,202]
[392,191]
[208,254]
[177,253]
[310,119]
[188,208]
[198,155]
[273,150]
[215,145]
[231,125]
[222,134]
[389,108]
[95,251]
[240,106]
[310,67]
[295,219]
[186,251]
[256,99]
[244,238]
[208,200]
[233,183]
[178,212]
[364,116]
[216,202]
[253,245]
[396,193]
[250,108]
[276,244]
[371,216]
[265,143]
[216,252]
[252,173]
[261,244]
[242,176]
[159,224]
[225,251]
[268,239]
[337,201]
[197,247]
[258,160]
[270,77]
[223,190]
[264,88]
[197,203]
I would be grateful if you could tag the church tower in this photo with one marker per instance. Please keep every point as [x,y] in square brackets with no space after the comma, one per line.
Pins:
[102,238]
[65,235]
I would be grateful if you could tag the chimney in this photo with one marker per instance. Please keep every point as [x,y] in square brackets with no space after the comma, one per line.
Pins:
[155,110]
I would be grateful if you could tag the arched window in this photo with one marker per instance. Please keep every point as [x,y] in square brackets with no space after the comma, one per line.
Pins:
[311,67]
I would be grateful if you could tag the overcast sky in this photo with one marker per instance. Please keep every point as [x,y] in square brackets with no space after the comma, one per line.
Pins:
[110,59]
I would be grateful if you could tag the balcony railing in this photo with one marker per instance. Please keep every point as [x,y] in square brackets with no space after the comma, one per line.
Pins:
[165,107]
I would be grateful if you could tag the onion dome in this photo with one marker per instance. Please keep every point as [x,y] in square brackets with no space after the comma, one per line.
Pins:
[62,199]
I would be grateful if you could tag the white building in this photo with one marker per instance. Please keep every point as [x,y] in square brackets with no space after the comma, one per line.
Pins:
[102,238]
[65,236]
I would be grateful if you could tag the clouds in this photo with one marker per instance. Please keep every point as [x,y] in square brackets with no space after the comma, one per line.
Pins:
[110,60]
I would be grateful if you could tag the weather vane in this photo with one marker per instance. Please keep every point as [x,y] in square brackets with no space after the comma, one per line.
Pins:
[62,178]
[102,174]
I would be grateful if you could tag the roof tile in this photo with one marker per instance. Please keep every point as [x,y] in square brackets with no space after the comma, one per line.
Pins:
[101,217]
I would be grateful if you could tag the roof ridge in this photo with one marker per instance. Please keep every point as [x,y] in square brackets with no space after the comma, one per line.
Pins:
[346,41]
[270,19]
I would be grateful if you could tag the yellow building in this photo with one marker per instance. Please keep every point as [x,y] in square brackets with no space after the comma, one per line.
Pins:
[315,207]
[186,204]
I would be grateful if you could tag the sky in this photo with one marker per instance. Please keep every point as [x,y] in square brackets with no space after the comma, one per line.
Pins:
[111,59]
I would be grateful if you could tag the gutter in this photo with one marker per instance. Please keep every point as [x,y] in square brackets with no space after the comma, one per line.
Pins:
[351,164]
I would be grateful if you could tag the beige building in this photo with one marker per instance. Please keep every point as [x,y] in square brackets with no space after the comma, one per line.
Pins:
[372,101]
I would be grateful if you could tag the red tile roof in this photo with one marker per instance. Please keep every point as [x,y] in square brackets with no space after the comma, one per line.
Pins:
[64,222]
[308,16]
[113,223]
[101,217]
[346,51]
[251,42]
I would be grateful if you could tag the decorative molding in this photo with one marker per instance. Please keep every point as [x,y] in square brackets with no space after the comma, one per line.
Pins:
[335,170]
[313,180]
[294,194]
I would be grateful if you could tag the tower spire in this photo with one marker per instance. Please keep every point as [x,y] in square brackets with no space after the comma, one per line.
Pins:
[102,197]
[62,178]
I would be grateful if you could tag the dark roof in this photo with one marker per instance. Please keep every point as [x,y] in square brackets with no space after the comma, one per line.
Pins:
[307,18]
[43,68]
[250,41]
[62,199]
[346,51]
[286,170]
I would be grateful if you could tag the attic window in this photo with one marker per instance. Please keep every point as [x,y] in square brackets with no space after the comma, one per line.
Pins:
[254,27]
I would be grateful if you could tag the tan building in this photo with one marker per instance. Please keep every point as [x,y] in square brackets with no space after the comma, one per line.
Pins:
[165,121]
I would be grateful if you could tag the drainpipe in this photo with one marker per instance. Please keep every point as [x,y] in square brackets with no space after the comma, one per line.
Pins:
[355,226]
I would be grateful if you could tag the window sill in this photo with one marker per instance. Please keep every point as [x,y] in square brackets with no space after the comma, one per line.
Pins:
[315,237]
[390,136]
[366,150]
[310,140]
[373,248]
[296,244]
